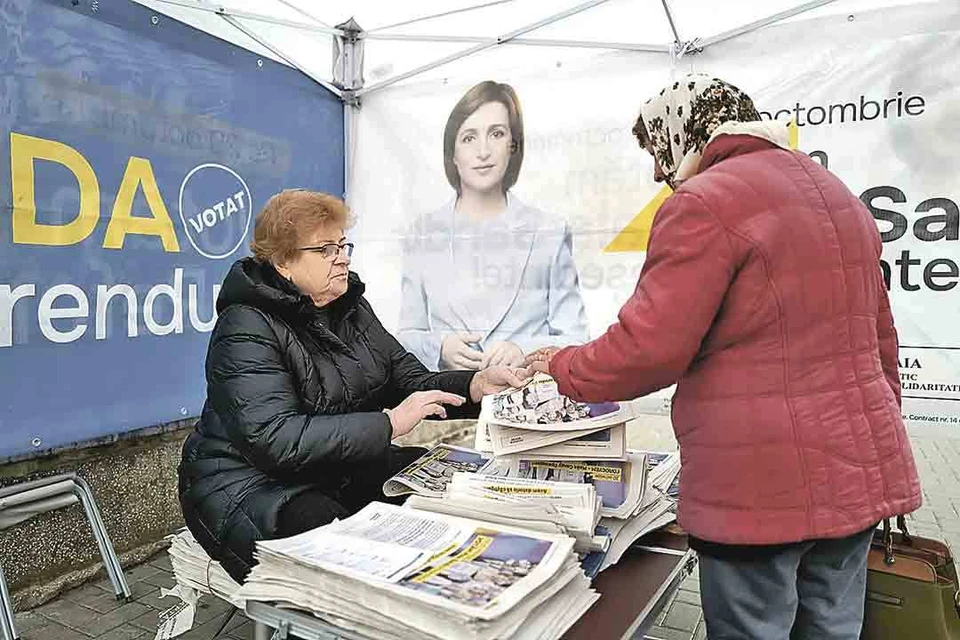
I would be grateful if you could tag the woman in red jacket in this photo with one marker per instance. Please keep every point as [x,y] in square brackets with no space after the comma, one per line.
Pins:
[761,296]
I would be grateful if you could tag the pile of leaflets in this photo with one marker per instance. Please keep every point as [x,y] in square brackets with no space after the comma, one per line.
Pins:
[498,542]
[396,572]
[604,505]
[656,509]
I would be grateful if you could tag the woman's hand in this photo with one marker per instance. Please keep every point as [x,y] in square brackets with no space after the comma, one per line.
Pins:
[506,354]
[539,361]
[419,406]
[494,380]
[456,352]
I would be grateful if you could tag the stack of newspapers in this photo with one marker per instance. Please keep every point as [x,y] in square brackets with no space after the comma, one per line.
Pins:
[398,572]
[635,493]
[545,462]
[463,482]
[496,542]
[656,509]
[539,422]
[556,507]
[604,505]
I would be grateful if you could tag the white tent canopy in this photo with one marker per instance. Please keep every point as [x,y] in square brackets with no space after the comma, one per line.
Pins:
[870,85]
[397,43]
[405,41]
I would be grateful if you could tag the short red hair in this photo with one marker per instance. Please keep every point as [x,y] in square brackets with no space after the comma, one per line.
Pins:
[289,218]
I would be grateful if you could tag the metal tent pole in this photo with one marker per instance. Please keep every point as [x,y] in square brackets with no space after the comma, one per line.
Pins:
[348,73]
[536,42]
[507,37]
[280,54]
[231,18]
[246,15]
[673,24]
[302,12]
[443,14]
[764,22]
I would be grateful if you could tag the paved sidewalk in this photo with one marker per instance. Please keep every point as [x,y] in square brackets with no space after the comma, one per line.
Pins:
[938,461]
[91,612]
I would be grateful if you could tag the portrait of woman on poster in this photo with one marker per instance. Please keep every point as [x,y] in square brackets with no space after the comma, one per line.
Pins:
[487,278]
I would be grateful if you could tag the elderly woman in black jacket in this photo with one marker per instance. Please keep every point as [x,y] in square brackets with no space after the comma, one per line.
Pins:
[305,390]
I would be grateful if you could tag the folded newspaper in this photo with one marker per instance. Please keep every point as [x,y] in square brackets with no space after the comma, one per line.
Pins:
[538,405]
[430,473]
[539,422]
[595,443]
[394,572]
[656,509]
[664,472]
[562,507]
[620,484]
[196,574]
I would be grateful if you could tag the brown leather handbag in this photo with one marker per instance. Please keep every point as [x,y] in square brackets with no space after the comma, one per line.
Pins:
[912,589]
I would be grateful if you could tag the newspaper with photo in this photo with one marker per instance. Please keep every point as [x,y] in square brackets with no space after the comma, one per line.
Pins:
[538,405]
[620,484]
[417,574]
[398,549]
[578,505]
[430,473]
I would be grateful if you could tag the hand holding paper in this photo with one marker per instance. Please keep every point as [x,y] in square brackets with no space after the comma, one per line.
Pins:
[539,361]
[495,380]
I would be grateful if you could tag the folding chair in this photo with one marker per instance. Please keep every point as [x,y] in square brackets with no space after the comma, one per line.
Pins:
[23,501]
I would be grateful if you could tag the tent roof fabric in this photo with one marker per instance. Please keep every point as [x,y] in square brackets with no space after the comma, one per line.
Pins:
[405,37]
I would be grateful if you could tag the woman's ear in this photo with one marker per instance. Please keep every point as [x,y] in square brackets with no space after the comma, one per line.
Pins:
[514,146]
[283,270]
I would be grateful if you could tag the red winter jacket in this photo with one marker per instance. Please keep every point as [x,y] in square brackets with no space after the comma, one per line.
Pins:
[762,297]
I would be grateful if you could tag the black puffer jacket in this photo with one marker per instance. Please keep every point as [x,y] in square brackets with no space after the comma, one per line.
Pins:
[295,395]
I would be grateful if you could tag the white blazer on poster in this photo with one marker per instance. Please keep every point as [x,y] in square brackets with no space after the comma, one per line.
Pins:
[512,279]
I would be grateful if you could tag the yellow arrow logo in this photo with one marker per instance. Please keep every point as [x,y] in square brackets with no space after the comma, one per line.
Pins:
[636,234]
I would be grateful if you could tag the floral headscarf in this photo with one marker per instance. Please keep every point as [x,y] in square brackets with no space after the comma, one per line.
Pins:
[681,119]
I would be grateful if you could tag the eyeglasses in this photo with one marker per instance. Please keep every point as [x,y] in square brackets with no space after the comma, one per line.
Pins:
[331,250]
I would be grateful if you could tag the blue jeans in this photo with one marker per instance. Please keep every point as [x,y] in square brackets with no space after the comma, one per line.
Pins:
[803,591]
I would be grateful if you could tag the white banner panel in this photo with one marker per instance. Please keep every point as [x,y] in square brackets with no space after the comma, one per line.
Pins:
[876,99]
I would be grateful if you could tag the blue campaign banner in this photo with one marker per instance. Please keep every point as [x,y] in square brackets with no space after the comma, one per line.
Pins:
[134,154]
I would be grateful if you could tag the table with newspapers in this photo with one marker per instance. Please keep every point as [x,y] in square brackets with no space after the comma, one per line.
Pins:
[549,528]
[633,594]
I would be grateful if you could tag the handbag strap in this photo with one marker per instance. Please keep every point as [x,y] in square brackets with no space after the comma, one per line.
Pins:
[902,525]
[888,556]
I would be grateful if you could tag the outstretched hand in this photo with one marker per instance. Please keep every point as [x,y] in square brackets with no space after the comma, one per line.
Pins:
[538,366]
[495,380]
[539,361]
[543,354]
[418,406]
